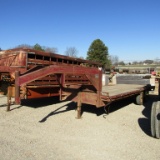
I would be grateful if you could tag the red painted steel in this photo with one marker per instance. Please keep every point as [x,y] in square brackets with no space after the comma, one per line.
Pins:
[36,74]
[55,69]
[17,88]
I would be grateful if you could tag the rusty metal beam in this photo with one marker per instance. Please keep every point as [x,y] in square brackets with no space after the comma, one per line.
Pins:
[93,73]
[11,69]
[17,88]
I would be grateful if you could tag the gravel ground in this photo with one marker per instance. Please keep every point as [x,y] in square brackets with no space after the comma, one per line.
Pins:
[47,129]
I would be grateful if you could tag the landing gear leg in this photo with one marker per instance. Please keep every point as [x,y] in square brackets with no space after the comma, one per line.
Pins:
[79,107]
[9,98]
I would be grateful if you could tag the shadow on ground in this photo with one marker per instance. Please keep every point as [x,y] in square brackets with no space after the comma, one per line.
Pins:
[68,107]
[40,102]
[33,103]
[89,108]
[113,107]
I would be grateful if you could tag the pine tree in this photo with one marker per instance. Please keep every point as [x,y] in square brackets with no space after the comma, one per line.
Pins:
[38,47]
[98,52]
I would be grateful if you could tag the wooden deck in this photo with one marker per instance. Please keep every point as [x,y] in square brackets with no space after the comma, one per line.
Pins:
[117,89]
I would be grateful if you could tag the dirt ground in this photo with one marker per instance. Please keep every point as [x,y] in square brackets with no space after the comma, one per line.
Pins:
[47,129]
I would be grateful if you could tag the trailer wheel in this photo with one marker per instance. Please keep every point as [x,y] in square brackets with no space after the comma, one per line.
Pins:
[139,99]
[153,112]
[157,120]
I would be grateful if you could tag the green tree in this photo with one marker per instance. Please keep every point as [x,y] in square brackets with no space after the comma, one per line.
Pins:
[148,61]
[121,63]
[38,47]
[98,52]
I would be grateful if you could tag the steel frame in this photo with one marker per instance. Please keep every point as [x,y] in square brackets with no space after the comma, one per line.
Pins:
[36,74]
[31,72]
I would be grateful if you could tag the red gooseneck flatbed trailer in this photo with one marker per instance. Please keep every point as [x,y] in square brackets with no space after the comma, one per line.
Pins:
[29,73]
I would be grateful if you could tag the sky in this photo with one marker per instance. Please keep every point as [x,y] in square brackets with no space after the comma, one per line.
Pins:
[129,28]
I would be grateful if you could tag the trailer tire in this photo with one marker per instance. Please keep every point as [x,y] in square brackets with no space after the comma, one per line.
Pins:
[157,120]
[139,99]
[152,122]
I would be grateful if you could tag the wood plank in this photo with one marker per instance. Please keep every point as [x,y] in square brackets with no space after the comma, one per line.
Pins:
[114,90]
